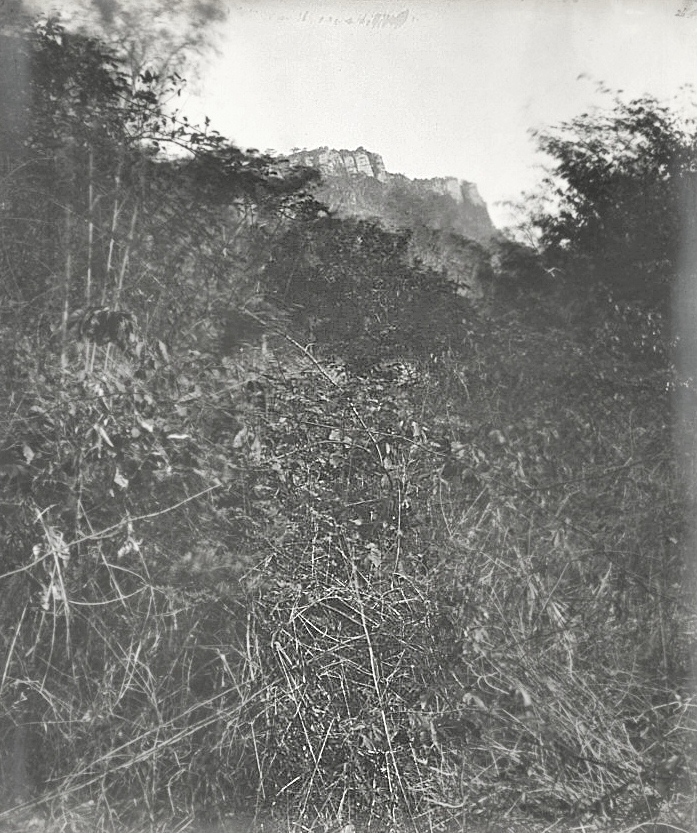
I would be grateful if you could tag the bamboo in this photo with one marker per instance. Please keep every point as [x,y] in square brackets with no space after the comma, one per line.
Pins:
[90,249]
[67,280]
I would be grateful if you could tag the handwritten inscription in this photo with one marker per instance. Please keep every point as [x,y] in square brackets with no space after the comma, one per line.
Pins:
[688,9]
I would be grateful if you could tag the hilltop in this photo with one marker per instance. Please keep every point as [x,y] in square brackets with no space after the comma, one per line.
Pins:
[449,220]
[357,183]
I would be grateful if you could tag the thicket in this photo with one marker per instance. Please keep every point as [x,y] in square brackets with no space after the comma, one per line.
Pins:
[612,207]
[286,524]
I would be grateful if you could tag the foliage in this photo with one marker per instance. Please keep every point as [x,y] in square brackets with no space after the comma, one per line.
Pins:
[463,261]
[612,204]
[288,589]
[156,37]
[348,282]
[519,270]
[360,579]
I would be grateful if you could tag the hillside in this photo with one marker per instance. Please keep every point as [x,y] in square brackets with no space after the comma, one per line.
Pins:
[356,183]
[450,219]
[291,529]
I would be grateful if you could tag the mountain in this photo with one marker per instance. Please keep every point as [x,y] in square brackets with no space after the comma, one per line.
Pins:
[356,183]
[448,217]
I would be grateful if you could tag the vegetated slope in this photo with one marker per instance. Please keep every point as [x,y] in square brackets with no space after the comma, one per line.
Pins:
[429,587]
[289,525]
[449,220]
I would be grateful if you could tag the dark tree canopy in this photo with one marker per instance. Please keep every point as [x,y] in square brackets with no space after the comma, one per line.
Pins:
[611,205]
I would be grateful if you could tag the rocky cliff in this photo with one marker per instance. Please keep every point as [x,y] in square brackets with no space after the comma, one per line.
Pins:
[356,183]
[342,162]
[449,220]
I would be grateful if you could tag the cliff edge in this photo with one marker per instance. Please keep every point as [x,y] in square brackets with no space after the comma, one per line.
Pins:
[356,183]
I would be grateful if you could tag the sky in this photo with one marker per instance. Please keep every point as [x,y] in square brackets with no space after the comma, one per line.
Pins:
[437,87]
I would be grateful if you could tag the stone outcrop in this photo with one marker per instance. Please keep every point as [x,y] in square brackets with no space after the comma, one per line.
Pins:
[449,220]
[465,262]
[356,183]
[342,162]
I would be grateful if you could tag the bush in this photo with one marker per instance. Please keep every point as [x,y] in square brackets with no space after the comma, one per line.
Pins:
[611,211]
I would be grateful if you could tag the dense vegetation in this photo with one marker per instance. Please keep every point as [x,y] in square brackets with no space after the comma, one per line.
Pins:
[288,525]
[611,214]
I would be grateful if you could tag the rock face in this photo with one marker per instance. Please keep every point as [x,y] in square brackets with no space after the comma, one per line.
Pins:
[464,261]
[342,162]
[449,220]
[357,184]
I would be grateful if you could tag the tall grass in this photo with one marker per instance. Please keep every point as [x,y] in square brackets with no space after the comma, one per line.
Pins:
[436,592]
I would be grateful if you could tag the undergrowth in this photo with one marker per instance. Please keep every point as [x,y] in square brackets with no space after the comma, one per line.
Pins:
[427,590]
[288,528]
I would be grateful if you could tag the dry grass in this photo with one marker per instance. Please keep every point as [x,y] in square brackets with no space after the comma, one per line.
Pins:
[430,607]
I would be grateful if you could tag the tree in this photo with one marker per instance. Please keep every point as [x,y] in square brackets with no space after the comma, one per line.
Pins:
[350,283]
[612,195]
[163,37]
[110,248]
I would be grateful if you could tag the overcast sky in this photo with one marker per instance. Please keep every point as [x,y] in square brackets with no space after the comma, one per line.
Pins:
[438,87]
